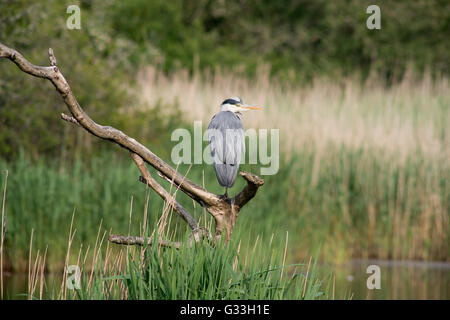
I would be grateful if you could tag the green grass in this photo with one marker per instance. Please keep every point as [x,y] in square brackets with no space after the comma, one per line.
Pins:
[350,203]
[194,272]
[198,272]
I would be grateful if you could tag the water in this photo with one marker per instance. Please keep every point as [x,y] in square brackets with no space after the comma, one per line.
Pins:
[398,280]
[16,285]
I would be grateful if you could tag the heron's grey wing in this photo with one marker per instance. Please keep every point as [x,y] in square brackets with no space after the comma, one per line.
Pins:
[226,138]
[235,144]
[227,143]
[216,141]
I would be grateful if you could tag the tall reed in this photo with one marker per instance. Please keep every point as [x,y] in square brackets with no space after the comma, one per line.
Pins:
[401,119]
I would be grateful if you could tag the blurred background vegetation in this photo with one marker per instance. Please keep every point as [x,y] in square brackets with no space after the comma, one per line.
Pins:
[299,40]
[147,67]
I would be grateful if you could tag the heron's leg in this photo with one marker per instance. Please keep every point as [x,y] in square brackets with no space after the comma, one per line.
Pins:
[225,195]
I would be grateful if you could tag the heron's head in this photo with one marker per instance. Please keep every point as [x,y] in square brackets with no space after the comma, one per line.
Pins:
[236,105]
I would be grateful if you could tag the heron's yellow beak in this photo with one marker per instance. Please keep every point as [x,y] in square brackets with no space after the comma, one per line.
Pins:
[248,107]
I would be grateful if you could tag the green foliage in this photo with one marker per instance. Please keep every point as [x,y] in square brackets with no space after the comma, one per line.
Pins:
[304,38]
[352,203]
[297,39]
[203,272]
[96,65]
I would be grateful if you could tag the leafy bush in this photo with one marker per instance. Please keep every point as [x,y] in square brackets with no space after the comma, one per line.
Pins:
[298,39]
[96,65]
[304,38]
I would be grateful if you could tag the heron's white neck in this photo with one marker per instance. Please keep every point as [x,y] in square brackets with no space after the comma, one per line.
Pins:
[228,107]
[232,108]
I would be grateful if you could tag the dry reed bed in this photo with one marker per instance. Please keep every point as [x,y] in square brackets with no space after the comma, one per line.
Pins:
[402,131]
[401,119]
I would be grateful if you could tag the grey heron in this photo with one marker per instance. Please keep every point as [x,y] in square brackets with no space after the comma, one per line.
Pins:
[227,140]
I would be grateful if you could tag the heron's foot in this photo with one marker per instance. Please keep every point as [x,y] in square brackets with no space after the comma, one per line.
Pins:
[224,196]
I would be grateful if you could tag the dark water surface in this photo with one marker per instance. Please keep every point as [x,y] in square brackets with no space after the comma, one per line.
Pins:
[398,280]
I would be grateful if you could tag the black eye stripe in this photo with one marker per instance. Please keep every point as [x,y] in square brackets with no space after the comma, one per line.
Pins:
[231,101]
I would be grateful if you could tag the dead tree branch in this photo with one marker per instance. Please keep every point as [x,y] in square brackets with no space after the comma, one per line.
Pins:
[140,241]
[148,180]
[224,211]
[182,212]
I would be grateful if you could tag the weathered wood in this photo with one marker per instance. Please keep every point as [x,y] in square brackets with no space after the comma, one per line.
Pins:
[140,241]
[182,212]
[225,211]
[148,180]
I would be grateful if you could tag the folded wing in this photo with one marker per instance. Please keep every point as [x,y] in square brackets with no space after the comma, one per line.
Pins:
[227,144]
